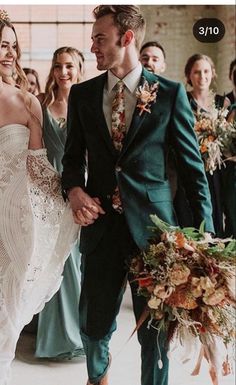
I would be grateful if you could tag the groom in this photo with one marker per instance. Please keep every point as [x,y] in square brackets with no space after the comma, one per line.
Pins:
[115,177]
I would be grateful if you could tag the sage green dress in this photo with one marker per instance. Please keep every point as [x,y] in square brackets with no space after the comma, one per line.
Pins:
[58,334]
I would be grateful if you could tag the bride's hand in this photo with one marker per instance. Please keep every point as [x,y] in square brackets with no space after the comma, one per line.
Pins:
[85,208]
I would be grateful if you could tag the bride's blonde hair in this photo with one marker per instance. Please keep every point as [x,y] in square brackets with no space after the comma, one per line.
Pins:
[5,22]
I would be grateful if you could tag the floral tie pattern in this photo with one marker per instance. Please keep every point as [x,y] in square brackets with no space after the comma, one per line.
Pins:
[118,126]
[118,131]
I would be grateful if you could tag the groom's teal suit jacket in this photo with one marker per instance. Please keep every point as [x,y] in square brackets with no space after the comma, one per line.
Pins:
[140,168]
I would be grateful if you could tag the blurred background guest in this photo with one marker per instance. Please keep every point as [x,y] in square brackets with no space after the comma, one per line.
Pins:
[33,81]
[200,74]
[232,76]
[229,172]
[153,57]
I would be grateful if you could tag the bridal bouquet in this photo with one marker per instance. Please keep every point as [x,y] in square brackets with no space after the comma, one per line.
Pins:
[188,280]
[216,137]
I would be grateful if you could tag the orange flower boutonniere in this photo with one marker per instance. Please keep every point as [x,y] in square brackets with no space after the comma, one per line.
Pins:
[146,95]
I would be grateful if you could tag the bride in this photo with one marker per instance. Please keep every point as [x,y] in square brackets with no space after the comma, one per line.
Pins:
[36,228]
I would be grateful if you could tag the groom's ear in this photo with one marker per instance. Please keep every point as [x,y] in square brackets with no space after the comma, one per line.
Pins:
[127,38]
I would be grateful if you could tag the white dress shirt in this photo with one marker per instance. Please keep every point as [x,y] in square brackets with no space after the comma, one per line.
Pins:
[131,81]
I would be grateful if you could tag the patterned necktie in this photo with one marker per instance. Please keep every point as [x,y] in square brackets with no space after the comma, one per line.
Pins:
[118,127]
[118,131]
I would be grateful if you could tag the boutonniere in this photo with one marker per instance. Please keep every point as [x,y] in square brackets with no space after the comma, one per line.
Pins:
[146,95]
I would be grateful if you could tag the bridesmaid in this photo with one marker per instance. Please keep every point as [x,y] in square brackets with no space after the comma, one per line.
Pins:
[200,73]
[58,334]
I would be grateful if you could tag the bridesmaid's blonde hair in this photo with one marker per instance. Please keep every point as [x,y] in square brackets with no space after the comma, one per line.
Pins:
[51,85]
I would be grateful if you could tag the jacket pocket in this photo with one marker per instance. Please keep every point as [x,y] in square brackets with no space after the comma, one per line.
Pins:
[159,194]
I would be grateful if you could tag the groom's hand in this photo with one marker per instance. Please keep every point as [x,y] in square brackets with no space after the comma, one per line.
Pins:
[85,208]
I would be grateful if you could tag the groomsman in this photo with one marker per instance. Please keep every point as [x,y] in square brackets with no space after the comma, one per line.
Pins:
[153,57]
[122,140]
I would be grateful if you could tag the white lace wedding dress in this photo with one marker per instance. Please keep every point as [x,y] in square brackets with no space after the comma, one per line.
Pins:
[36,235]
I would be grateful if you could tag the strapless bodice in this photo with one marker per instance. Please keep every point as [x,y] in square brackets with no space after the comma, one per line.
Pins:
[14,138]
[10,128]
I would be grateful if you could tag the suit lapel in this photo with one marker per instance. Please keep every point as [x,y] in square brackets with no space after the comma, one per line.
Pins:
[137,119]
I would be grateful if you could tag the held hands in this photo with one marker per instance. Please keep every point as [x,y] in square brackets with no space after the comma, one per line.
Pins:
[85,209]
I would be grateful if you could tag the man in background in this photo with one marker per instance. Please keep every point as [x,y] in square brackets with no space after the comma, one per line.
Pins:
[153,57]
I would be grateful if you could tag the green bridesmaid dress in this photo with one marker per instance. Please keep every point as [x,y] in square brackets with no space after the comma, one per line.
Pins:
[58,335]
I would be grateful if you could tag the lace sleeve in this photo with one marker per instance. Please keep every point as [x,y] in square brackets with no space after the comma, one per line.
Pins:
[53,225]
[41,172]
[44,185]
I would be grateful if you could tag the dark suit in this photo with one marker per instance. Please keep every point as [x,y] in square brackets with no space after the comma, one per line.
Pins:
[140,172]
[231,97]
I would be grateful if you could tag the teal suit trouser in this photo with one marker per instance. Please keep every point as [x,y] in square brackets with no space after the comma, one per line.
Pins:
[104,276]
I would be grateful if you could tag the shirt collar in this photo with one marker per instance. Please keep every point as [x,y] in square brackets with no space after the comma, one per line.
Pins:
[131,80]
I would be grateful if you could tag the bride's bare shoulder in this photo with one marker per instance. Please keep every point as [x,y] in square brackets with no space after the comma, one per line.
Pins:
[22,105]
[26,101]
[13,95]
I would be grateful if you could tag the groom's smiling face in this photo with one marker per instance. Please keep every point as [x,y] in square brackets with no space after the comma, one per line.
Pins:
[106,43]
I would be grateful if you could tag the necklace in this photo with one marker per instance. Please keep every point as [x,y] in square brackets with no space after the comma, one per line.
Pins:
[61,122]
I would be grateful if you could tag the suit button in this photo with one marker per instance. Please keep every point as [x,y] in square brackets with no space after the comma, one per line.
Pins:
[118,168]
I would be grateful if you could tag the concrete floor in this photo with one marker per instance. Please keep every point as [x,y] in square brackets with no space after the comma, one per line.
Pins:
[125,368]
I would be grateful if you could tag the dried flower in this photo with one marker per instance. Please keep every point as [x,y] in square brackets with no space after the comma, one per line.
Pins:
[216,136]
[154,302]
[187,279]
[214,298]
[179,274]
[146,95]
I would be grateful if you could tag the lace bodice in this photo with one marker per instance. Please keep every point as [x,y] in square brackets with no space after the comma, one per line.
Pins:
[36,235]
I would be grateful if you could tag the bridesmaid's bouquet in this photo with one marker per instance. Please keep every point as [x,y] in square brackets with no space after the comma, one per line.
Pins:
[188,279]
[216,137]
